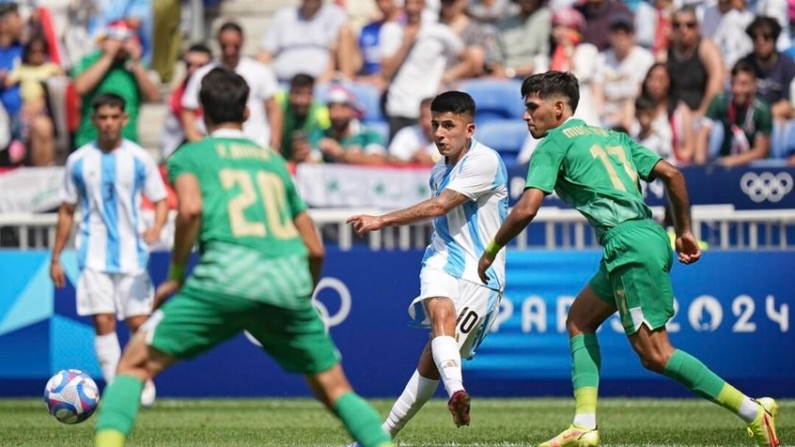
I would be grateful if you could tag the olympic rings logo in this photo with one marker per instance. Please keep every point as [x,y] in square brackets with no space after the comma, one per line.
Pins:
[766,186]
[328,320]
[345,302]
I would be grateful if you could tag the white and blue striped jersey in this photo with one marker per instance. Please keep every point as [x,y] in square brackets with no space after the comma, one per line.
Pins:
[461,236]
[108,188]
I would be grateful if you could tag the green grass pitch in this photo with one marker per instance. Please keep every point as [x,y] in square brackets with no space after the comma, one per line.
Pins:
[301,422]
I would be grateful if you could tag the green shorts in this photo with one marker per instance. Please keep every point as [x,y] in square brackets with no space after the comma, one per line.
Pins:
[634,274]
[193,322]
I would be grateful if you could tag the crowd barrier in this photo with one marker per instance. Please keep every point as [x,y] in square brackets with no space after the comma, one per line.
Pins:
[732,312]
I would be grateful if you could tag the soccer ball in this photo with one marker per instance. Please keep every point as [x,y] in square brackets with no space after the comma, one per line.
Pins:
[71,396]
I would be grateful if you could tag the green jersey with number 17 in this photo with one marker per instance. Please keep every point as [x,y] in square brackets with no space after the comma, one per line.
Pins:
[594,170]
[249,245]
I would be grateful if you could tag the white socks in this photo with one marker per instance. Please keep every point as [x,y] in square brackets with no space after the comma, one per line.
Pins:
[417,392]
[749,410]
[448,360]
[585,420]
[108,353]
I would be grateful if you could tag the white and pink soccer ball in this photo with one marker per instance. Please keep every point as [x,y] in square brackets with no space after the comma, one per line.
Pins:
[71,396]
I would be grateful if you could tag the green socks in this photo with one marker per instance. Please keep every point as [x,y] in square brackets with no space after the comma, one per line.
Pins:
[361,421]
[696,377]
[586,361]
[118,410]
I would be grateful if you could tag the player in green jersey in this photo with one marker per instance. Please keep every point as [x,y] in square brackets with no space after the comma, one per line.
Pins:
[596,171]
[260,259]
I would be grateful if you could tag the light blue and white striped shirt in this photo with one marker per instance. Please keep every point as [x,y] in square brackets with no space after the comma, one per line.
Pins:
[461,236]
[108,188]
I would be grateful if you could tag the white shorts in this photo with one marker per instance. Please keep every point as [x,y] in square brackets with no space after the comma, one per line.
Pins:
[114,293]
[477,307]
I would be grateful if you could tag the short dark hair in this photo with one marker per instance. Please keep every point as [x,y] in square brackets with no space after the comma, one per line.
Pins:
[7,8]
[230,26]
[743,66]
[644,104]
[762,22]
[108,100]
[32,43]
[200,48]
[223,96]
[553,83]
[302,80]
[687,9]
[454,101]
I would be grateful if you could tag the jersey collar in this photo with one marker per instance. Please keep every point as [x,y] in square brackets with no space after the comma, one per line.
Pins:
[228,133]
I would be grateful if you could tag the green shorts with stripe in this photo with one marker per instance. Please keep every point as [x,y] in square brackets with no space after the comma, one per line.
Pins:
[194,321]
[634,274]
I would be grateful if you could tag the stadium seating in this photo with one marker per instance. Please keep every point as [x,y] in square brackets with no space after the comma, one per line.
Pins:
[504,136]
[496,99]
[382,128]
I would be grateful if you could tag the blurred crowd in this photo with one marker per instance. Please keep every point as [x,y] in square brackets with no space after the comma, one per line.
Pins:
[698,81]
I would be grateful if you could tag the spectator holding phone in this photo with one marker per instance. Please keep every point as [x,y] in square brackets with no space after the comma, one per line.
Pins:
[115,68]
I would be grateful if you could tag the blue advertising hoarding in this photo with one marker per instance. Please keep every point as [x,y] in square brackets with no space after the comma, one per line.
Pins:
[733,313]
[745,187]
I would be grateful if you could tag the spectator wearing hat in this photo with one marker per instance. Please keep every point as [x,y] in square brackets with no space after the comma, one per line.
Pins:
[775,71]
[521,39]
[347,140]
[137,14]
[619,74]
[597,15]
[115,68]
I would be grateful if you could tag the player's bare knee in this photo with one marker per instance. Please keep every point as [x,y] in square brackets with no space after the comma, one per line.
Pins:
[577,323]
[330,384]
[441,308]
[104,324]
[654,361]
[134,323]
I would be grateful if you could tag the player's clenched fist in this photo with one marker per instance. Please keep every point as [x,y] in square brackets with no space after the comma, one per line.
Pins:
[363,224]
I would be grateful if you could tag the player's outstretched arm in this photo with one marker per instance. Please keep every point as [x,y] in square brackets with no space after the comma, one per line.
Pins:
[66,216]
[520,217]
[317,253]
[686,243]
[421,212]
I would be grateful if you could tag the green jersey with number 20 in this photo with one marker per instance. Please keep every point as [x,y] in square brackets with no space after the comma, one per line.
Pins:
[248,196]
[249,244]
[594,170]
